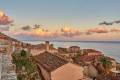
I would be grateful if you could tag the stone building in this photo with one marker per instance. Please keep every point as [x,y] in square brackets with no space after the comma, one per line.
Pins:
[90,52]
[74,50]
[53,67]
[40,48]
[90,64]
[86,60]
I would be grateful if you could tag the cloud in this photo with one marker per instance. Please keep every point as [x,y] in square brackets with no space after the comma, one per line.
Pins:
[68,32]
[45,30]
[115,30]
[88,33]
[4,20]
[109,23]
[11,24]
[98,30]
[36,34]
[117,21]
[65,29]
[63,33]
[36,26]
[42,32]
[26,28]
[45,34]
[4,28]
[106,23]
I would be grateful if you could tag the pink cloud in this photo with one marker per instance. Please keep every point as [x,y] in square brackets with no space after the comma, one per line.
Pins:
[99,30]
[4,20]
[115,30]
[68,32]
[65,29]
[4,28]
[63,33]
[45,34]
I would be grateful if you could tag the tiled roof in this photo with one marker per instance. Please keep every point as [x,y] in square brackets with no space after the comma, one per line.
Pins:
[5,37]
[61,52]
[49,61]
[92,58]
[92,51]
[74,52]
[1,37]
[39,46]
[18,45]
[74,47]
[106,76]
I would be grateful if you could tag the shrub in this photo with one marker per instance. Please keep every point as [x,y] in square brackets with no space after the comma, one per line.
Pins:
[23,53]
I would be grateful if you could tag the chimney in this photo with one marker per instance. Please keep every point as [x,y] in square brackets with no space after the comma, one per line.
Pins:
[51,46]
[47,46]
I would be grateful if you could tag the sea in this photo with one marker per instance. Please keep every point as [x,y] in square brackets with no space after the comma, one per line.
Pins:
[108,48]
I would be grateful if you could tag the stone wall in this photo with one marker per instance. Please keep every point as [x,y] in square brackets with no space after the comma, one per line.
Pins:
[7,71]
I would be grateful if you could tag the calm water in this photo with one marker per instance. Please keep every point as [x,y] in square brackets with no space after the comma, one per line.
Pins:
[111,49]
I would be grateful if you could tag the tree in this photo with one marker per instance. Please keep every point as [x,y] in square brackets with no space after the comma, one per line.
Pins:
[104,65]
[23,53]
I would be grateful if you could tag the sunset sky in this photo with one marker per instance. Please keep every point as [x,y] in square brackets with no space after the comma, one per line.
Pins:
[79,20]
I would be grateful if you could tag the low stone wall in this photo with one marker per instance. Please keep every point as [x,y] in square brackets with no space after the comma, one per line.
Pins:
[7,71]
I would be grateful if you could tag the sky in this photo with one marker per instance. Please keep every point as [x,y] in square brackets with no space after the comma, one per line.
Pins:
[78,20]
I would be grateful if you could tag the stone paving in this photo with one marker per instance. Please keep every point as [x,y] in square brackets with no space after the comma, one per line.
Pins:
[6,68]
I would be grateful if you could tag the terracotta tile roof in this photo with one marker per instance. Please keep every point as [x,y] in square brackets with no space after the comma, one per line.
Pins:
[18,45]
[74,52]
[92,51]
[39,46]
[49,61]
[92,58]
[74,47]
[3,36]
[61,52]
[106,76]
[6,38]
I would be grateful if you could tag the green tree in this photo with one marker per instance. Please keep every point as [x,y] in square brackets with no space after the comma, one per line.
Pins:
[105,65]
[23,53]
